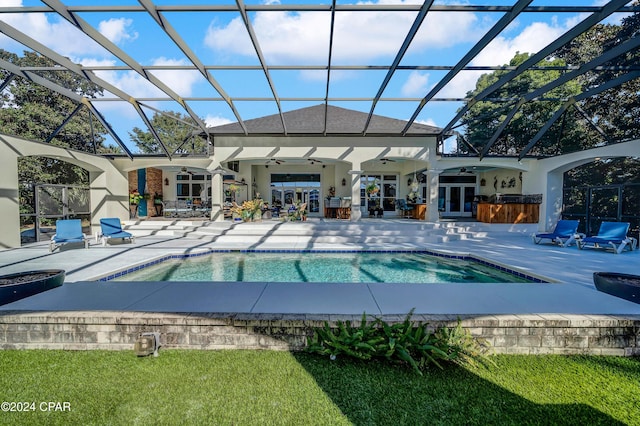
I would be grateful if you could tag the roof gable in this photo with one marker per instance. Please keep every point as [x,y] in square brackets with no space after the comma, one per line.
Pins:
[340,121]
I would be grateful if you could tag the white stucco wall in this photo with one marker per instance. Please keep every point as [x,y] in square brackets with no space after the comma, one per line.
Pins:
[108,184]
[341,156]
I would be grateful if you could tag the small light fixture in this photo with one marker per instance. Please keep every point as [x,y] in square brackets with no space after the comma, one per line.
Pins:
[166,181]
[409,181]
[242,181]
[147,344]
[344,182]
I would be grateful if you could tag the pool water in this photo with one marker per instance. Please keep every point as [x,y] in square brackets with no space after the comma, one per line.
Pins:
[324,267]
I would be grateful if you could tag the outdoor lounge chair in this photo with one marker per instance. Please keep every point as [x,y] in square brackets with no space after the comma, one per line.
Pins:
[612,234]
[564,234]
[68,231]
[111,228]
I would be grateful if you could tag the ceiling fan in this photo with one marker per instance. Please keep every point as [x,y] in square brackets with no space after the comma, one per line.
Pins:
[464,170]
[387,160]
[185,171]
[313,161]
[276,161]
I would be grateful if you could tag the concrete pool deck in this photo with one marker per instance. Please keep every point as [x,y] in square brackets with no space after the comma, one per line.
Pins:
[565,316]
[572,292]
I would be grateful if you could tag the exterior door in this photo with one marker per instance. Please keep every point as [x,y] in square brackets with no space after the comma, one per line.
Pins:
[311,196]
[456,200]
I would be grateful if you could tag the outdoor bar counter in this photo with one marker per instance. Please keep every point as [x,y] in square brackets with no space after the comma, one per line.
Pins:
[510,209]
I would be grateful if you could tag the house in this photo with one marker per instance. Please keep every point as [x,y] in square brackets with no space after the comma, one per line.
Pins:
[316,160]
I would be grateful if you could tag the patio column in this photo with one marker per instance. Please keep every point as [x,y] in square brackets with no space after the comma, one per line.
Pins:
[9,199]
[356,214]
[217,194]
[433,184]
[109,196]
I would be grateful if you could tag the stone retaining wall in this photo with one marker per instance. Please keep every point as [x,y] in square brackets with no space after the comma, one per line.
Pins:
[511,334]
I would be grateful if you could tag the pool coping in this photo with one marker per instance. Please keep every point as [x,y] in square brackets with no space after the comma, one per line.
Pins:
[533,278]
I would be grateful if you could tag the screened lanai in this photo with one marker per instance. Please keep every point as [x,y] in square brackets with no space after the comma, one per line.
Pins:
[221,62]
[490,83]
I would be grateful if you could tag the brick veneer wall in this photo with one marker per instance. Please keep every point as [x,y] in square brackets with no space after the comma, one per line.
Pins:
[154,184]
[512,334]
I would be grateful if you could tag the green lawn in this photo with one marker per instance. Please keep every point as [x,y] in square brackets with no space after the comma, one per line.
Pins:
[273,388]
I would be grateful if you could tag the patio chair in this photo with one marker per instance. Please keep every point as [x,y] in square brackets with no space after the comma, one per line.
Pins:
[564,234]
[110,227]
[405,210]
[68,231]
[612,234]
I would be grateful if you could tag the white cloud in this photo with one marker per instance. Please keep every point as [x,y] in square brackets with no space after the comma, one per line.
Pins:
[180,81]
[501,50]
[416,84]
[302,38]
[133,84]
[62,37]
[58,35]
[216,120]
[115,29]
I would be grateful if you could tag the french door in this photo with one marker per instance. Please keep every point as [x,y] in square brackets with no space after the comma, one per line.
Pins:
[456,200]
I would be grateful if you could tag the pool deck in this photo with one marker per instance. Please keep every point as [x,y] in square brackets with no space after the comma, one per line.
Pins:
[571,293]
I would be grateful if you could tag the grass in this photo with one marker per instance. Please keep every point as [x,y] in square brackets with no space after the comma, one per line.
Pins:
[279,388]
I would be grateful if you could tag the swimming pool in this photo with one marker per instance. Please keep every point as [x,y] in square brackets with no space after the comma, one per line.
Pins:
[328,267]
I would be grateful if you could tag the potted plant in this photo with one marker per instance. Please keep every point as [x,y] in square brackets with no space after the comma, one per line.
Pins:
[372,188]
[250,210]
[135,197]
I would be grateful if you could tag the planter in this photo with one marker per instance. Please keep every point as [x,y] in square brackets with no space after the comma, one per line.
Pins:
[24,284]
[621,285]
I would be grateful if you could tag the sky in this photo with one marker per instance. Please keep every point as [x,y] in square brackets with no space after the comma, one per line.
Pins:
[288,38]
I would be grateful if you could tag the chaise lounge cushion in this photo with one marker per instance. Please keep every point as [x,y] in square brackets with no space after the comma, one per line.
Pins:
[111,228]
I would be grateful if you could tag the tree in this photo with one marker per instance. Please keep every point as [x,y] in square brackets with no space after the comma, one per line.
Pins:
[34,112]
[615,111]
[484,118]
[174,132]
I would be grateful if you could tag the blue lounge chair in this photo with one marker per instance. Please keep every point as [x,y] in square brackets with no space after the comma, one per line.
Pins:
[110,227]
[612,234]
[564,234]
[68,231]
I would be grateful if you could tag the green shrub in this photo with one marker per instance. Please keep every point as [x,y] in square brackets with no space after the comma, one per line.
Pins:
[406,342]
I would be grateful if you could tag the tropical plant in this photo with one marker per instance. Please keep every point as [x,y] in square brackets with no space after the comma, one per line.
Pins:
[372,188]
[406,343]
[135,197]
[298,211]
[248,210]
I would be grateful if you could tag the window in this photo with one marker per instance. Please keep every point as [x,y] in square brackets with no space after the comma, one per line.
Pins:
[386,195]
[190,186]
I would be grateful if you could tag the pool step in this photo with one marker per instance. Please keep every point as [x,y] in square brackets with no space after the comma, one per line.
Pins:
[313,231]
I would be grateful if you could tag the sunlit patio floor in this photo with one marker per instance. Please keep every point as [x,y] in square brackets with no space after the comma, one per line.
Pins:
[570,270]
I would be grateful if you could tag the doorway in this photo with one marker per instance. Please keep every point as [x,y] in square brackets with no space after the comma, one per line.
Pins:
[290,189]
[455,195]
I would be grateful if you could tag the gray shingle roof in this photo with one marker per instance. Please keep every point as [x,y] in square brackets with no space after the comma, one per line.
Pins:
[310,120]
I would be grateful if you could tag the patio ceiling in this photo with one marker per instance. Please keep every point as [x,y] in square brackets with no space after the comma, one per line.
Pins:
[272,80]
